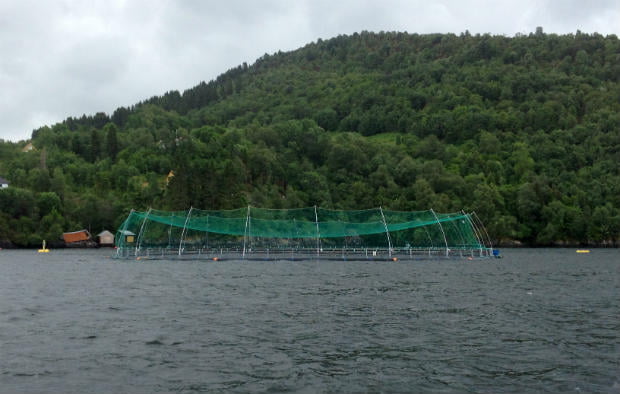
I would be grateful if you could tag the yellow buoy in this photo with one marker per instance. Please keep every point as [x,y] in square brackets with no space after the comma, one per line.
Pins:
[43,248]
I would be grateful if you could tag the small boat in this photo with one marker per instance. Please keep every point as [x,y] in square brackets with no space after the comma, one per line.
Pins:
[43,248]
[583,251]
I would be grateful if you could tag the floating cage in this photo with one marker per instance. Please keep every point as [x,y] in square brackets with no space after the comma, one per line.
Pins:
[301,234]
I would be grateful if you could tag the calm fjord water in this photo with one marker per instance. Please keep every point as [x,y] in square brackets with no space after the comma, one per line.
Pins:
[539,320]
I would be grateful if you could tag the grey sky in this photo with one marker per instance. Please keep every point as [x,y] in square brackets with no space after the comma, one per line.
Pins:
[68,58]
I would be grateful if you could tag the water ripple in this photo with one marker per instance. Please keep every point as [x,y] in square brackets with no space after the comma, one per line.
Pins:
[535,321]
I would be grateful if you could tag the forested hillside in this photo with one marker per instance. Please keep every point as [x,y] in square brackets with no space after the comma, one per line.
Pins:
[523,130]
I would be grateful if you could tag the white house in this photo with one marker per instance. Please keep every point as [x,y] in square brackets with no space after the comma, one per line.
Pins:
[106,238]
[3,183]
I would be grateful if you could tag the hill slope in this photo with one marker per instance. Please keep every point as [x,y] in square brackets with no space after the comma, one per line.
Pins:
[523,130]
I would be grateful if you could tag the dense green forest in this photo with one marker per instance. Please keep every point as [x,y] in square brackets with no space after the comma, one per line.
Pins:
[523,130]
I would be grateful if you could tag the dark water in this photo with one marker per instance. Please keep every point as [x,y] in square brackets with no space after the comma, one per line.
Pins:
[535,321]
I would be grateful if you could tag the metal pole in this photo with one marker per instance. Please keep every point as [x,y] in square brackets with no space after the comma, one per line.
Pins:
[484,229]
[122,242]
[184,230]
[140,234]
[387,232]
[318,233]
[458,230]
[295,240]
[245,233]
[475,231]
[442,232]
[430,239]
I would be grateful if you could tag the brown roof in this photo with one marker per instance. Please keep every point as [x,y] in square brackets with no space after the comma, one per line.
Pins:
[76,236]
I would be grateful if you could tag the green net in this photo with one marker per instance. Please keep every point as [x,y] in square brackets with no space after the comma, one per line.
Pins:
[300,233]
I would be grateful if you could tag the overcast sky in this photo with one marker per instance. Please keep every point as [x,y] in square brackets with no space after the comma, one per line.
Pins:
[68,58]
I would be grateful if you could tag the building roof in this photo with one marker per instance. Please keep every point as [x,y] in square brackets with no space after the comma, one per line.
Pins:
[2,180]
[104,233]
[76,236]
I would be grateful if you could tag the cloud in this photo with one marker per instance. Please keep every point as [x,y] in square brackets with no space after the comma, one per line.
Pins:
[69,58]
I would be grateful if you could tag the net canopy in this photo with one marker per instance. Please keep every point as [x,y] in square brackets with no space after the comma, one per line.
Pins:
[297,233]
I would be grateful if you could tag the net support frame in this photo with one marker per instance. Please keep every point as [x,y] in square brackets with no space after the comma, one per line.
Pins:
[318,233]
[475,230]
[141,233]
[124,232]
[475,215]
[460,233]
[189,214]
[245,232]
[442,232]
[431,246]
[387,232]
[302,231]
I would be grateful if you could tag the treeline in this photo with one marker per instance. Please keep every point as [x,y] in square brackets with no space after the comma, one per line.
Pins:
[523,130]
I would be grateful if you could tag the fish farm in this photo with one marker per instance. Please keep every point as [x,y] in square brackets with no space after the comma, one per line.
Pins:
[252,233]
